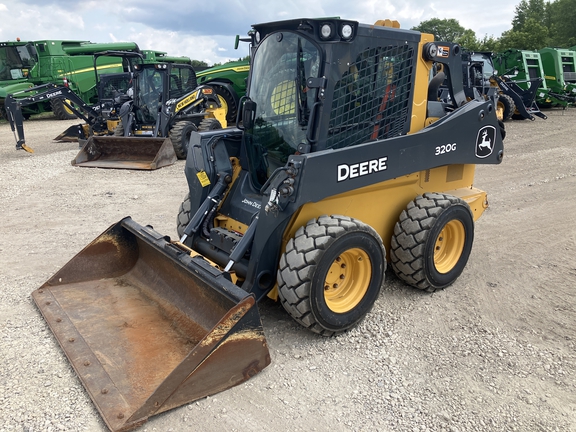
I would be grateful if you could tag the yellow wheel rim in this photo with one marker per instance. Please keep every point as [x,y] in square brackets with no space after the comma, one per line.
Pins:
[347,280]
[68,110]
[500,111]
[223,103]
[449,246]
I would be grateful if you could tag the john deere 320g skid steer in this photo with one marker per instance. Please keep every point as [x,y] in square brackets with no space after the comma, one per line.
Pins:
[344,161]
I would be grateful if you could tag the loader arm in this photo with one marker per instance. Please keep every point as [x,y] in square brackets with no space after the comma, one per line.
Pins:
[50,91]
[524,99]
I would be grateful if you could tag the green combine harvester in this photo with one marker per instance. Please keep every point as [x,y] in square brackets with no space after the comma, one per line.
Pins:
[69,63]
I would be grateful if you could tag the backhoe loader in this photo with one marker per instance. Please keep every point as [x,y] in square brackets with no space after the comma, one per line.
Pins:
[96,122]
[344,161]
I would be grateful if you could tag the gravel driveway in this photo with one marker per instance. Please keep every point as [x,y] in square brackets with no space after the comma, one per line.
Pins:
[493,352]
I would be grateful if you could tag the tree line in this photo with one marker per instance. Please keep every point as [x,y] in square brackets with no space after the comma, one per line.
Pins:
[536,25]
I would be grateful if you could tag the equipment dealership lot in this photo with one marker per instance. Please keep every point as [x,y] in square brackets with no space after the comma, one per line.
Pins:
[495,351]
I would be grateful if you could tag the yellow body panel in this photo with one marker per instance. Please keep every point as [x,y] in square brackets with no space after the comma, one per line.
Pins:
[420,101]
[380,205]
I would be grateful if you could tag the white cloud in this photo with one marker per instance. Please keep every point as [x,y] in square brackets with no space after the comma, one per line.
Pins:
[206,31]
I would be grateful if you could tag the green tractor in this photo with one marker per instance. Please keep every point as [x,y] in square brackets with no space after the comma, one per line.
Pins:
[234,74]
[69,63]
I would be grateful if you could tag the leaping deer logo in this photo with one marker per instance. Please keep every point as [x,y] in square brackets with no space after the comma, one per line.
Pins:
[486,142]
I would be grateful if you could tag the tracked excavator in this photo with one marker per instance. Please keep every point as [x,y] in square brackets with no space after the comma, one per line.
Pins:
[344,163]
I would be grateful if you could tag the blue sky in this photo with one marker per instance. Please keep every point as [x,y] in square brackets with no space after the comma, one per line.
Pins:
[205,30]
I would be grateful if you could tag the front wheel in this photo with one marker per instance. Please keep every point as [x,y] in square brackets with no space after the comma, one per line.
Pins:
[180,137]
[331,273]
[432,241]
[506,107]
[184,216]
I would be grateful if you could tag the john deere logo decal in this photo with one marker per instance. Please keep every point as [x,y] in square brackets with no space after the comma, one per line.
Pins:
[485,141]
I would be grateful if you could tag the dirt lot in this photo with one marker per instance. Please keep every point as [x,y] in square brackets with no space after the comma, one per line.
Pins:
[495,351]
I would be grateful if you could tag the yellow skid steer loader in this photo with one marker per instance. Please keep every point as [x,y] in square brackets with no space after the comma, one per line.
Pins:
[155,125]
[345,161]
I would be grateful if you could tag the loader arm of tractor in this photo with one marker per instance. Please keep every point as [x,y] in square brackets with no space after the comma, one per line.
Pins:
[49,91]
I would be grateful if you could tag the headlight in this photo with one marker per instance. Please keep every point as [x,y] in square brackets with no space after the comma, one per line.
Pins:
[326,31]
[346,31]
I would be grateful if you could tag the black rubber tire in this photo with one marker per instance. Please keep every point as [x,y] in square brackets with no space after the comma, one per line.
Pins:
[61,112]
[119,131]
[231,102]
[417,236]
[209,124]
[307,265]
[183,215]
[508,105]
[180,136]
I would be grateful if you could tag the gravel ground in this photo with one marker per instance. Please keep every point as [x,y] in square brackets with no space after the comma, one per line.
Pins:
[494,352]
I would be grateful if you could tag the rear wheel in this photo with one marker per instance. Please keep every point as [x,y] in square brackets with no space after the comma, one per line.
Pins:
[331,273]
[432,241]
[209,124]
[506,106]
[61,111]
[180,136]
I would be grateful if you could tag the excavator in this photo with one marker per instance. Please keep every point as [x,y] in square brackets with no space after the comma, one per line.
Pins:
[343,163]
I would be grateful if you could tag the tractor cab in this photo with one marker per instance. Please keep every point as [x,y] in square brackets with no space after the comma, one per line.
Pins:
[155,85]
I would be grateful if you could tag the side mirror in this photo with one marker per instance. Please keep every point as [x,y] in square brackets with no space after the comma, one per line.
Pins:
[237,42]
[248,113]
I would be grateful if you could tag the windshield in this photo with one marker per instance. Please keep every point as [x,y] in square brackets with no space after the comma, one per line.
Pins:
[15,62]
[147,95]
[281,65]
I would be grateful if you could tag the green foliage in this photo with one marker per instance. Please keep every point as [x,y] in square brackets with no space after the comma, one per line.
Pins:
[447,30]
[199,63]
[450,30]
[529,26]
[536,24]
[527,13]
[534,37]
[562,15]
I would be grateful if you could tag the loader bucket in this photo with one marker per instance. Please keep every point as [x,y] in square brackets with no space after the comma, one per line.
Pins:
[126,153]
[147,327]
